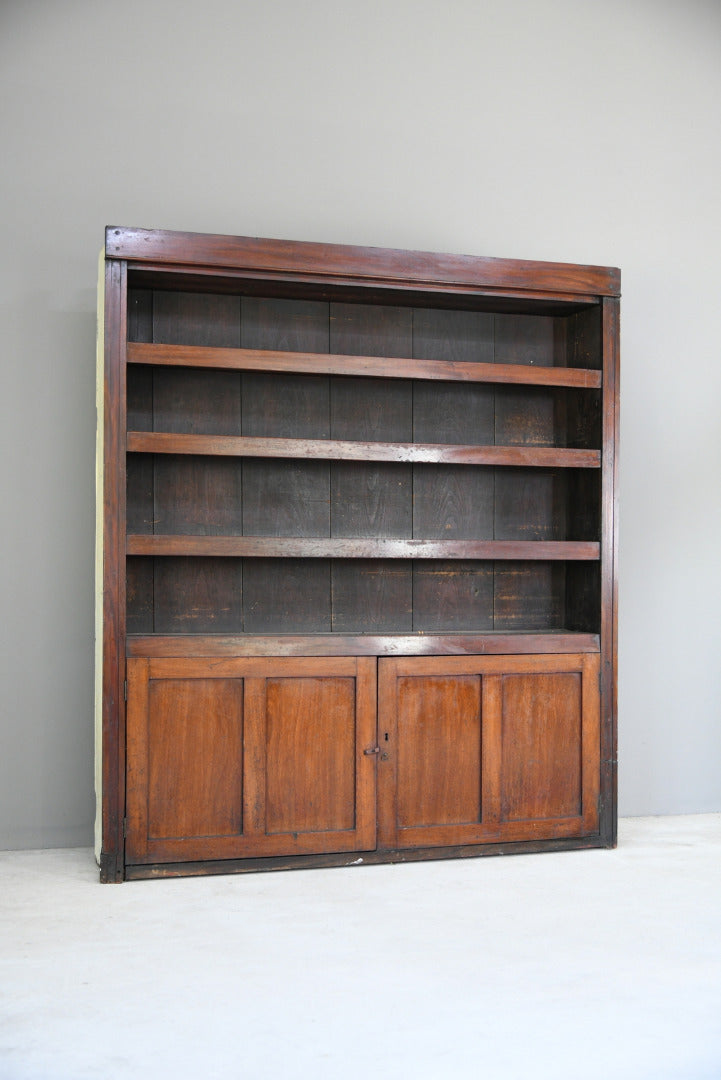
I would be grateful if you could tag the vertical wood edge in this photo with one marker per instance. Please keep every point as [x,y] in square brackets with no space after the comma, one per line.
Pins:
[491,747]
[367,736]
[387,803]
[590,743]
[138,722]
[608,801]
[113,555]
[254,756]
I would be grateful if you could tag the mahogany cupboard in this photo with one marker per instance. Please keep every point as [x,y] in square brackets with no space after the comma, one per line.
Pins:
[357,555]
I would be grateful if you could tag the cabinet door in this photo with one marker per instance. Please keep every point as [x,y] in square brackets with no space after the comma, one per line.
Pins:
[487,748]
[249,757]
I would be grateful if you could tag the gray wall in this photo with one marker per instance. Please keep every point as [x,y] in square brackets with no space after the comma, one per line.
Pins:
[543,129]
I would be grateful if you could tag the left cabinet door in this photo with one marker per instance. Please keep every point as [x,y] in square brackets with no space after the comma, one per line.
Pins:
[244,757]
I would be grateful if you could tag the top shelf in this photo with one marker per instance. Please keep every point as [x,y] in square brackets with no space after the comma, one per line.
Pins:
[376,366]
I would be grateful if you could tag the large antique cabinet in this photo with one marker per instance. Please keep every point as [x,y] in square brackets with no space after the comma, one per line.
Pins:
[357,555]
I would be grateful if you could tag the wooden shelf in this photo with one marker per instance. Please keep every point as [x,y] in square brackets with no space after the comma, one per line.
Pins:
[448,644]
[271,547]
[379,366]
[372,550]
[346,450]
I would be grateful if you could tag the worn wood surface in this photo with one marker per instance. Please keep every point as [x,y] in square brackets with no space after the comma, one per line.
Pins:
[305,483]
[484,748]
[342,548]
[113,595]
[386,365]
[250,757]
[369,644]
[335,261]
[219,446]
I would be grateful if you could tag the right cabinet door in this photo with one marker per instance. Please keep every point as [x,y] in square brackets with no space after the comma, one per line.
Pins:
[477,749]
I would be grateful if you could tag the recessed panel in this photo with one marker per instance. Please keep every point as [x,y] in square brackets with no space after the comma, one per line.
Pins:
[311,754]
[439,750]
[541,741]
[195,767]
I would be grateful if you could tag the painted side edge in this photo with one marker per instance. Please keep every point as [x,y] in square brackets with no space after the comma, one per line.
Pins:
[384,266]
[609,562]
[99,504]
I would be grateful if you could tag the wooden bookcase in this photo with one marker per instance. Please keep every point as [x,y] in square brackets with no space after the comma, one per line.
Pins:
[358,555]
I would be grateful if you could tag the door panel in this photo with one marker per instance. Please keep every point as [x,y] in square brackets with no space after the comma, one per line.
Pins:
[310,721]
[487,748]
[542,746]
[195,757]
[250,757]
[438,737]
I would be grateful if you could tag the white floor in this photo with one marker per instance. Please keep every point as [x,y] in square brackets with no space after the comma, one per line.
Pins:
[583,965]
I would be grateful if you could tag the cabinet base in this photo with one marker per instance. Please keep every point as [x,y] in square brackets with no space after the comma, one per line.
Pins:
[357,858]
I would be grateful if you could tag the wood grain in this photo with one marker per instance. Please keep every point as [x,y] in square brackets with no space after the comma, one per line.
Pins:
[347,450]
[310,763]
[385,365]
[542,747]
[377,265]
[195,766]
[438,744]
[368,644]
[341,548]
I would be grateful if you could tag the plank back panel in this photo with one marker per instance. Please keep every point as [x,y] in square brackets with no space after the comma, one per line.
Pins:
[529,596]
[529,339]
[198,496]
[197,596]
[371,500]
[452,596]
[286,596]
[283,498]
[371,596]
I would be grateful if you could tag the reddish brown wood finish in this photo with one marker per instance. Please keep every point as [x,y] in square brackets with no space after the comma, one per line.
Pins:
[243,758]
[424,494]
[340,548]
[291,258]
[487,748]
[372,644]
[609,572]
[113,743]
[378,366]
[346,450]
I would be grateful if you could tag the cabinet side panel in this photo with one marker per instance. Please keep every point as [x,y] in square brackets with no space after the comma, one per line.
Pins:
[113,572]
[99,452]
[609,571]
